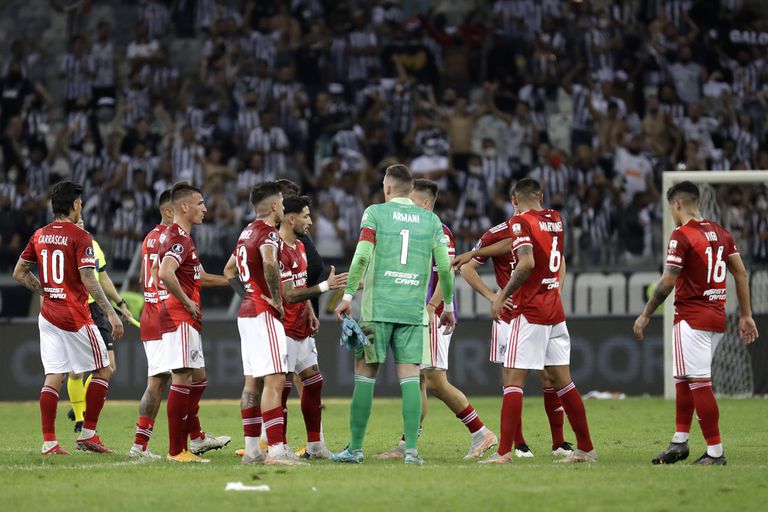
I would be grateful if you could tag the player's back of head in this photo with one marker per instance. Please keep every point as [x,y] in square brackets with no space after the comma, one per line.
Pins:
[264,190]
[686,192]
[182,190]
[296,204]
[288,187]
[63,196]
[526,188]
[426,186]
[165,197]
[400,178]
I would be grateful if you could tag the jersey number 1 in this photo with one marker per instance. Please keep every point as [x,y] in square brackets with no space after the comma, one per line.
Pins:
[404,246]
[56,268]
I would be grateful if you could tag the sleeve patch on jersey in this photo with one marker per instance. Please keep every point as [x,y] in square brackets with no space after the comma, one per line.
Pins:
[273,236]
[177,248]
[672,245]
[89,252]
[517,229]
[368,235]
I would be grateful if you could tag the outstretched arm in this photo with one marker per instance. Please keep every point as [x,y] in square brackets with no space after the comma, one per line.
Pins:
[500,248]
[664,287]
[747,327]
[293,295]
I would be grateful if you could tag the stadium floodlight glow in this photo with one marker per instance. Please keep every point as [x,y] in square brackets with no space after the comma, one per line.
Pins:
[670,178]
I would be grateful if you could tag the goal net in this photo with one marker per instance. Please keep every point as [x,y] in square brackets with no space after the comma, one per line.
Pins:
[727,197]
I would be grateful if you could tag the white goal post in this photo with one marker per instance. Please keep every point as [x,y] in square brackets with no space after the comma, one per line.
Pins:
[669,178]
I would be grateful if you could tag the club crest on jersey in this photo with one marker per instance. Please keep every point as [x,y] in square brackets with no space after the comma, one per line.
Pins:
[516,229]
[89,252]
[193,355]
[672,245]
[282,267]
[273,236]
[177,248]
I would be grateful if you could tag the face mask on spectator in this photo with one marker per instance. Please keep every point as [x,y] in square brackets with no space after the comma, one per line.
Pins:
[429,151]
[555,161]
[128,204]
[476,169]
[89,148]
[490,152]
[13,175]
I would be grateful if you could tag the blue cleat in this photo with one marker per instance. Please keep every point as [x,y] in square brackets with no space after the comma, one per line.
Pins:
[412,457]
[353,457]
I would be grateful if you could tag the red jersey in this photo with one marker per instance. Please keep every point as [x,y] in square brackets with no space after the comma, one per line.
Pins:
[435,282]
[177,244]
[154,292]
[250,265]
[701,249]
[538,298]
[502,265]
[293,267]
[60,250]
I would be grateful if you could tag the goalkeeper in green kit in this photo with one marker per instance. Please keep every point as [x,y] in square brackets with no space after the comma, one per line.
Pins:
[397,243]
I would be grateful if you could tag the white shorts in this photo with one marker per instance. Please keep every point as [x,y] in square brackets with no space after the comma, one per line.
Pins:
[302,354]
[182,348]
[71,351]
[693,350]
[534,346]
[499,338]
[263,345]
[439,343]
[154,351]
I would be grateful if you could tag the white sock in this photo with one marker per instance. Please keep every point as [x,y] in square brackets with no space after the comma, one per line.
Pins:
[715,450]
[680,437]
[315,446]
[479,434]
[276,450]
[87,433]
[141,448]
[252,446]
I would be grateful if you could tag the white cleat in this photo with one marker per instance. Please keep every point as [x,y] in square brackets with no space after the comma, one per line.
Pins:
[564,450]
[283,457]
[317,451]
[479,447]
[580,456]
[258,458]
[137,452]
[398,452]
[207,443]
[522,451]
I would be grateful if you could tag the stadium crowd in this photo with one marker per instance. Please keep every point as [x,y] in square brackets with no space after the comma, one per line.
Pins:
[593,99]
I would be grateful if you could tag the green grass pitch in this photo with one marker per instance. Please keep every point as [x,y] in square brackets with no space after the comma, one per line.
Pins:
[626,433]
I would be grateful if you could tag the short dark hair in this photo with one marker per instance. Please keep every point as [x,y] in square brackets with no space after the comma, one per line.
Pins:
[183,189]
[165,197]
[288,187]
[686,191]
[295,204]
[63,196]
[526,187]
[425,185]
[263,190]
[400,173]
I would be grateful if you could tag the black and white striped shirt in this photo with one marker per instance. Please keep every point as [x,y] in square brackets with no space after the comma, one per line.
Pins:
[156,16]
[38,176]
[582,118]
[261,47]
[247,120]
[496,171]
[674,9]
[81,164]
[746,143]
[78,72]
[137,103]
[360,66]
[272,144]
[194,117]
[553,181]
[123,247]
[186,163]
[262,86]
[596,37]
[402,107]
[596,224]
[759,245]
[338,51]
[79,126]
[103,59]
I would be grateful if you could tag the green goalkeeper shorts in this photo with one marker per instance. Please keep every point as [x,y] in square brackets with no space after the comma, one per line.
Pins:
[407,342]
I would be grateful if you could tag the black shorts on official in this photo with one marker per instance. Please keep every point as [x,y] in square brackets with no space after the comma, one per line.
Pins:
[100,319]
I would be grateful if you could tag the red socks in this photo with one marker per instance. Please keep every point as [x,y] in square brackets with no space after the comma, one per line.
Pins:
[470,419]
[178,408]
[554,408]
[144,431]
[49,401]
[706,410]
[94,401]
[286,391]
[193,422]
[251,421]
[273,425]
[577,415]
[683,406]
[311,407]
[511,417]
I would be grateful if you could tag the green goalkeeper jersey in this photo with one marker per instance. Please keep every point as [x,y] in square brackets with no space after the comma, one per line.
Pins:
[404,238]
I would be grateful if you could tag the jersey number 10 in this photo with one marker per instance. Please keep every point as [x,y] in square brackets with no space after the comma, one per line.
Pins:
[56,268]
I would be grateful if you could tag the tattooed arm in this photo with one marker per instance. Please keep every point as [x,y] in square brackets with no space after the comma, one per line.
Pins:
[664,287]
[523,268]
[272,277]
[23,274]
[91,283]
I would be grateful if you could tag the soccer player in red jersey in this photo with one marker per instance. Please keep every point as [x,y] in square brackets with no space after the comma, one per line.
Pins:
[434,368]
[538,336]
[496,244]
[69,340]
[300,321]
[698,255]
[180,321]
[262,335]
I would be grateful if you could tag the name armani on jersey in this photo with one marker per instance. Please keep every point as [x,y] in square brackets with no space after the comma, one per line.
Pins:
[406,217]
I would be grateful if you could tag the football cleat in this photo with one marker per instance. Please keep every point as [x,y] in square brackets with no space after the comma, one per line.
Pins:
[495,458]
[675,452]
[708,460]
[478,448]
[71,414]
[78,427]
[320,451]
[353,457]
[283,457]
[53,449]
[580,456]
[301,452]
[564,450]
[258,458]
[522,451]
[92,444]
[137,452]
[209,442]
[398,452]
[185,457]
[240,452]
[412,457]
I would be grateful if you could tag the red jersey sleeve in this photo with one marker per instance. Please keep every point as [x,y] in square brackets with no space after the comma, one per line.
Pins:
[177,248]
[677,249]
[451,241]
[521,232]
[730,247]
[84,254]
[286,264]
[29,253]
